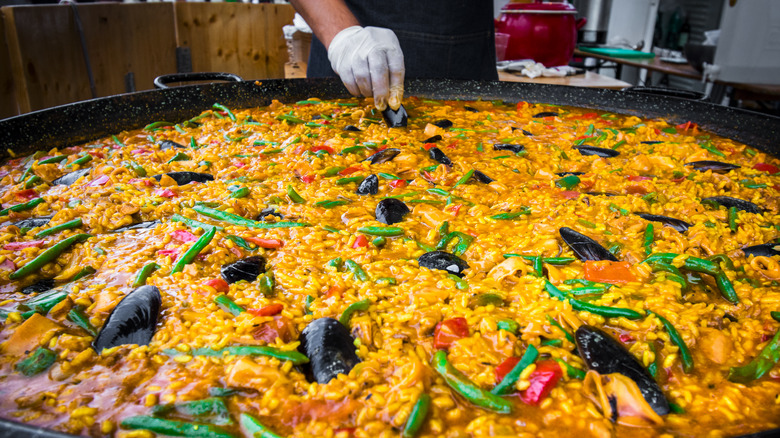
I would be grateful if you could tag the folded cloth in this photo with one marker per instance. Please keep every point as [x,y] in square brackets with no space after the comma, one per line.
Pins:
[527,67]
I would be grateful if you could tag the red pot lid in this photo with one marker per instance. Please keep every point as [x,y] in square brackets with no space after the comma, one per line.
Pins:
[541,7]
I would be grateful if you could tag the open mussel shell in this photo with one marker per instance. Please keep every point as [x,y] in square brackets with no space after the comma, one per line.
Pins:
[570,173]
[433,139]
[39,286]
[266,213]
[133,320]
[33,222]
[383,156]
[599,152]
[70,178]
[765,249]
[470,109]
[168,144]
[516,148]
[352,128]
[395,118]
[247,269]
[584,247]
[330,349]
[525,133]
[139,226]
[605,355]
[678,224]
[545,114]
[391,211]
[715,166]
[437,155]
[481,177]
[369,186]
[651,142]
[443,123]
[443,261]
[729,202]
[183,178]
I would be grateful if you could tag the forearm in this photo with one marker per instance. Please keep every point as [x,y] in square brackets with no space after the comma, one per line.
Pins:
[325,17]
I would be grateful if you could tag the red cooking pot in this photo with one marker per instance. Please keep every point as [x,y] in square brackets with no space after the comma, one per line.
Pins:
[543,31]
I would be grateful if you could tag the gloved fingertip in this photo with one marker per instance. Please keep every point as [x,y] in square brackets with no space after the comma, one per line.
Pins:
[396,96]
[380,103]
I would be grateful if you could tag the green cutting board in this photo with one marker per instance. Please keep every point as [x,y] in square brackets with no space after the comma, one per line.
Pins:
[618,53]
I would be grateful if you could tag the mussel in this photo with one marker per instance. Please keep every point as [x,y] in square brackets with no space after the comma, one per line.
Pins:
[715,166]
[678,224]
[729,202]
[138,226]
[437,155]
[516,148]
[433,139]
[330,349]
[395,118]
[247,269]
[391,211]
[70,178]
[545,114]
[39,286]
[607,194]
[383,156]
[369,186]
[765,249]
[584,247]
[168,144]
[599,152]
[352,128]
[605,355]
[183,178]
[471,109]
[570,173]
[443,123]
[267,212]
[32,222]
[132,321]
[525,133]
[481,177]
[651,142]
[443,261]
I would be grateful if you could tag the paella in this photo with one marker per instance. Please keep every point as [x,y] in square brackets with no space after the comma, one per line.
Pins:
[458,268]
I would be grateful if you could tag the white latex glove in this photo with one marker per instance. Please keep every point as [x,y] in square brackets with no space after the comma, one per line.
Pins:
[370,62]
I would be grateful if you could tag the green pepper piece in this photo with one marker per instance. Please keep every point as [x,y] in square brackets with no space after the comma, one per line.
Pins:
[295,357]
[307,304]
[228,305]
[331,204]
[361,306]
[208,407]
[417,416]
[89,270]
[356,270]
[294,196]
[760,365]
[194,250]
[508,325]
[507,384]
[39,361]
[648,239]
[468,389]
[180,156]
[514,215]
[75,223]
[487,299]
[47,256]
[334,263]
[379,242]
[240,193]
[135,167]
[255,428]
[175,428]
[674,335]
[333,171]
[555,323]
[775,315]
[144,273]
[567,182]
[382,231]
[726,288]
[241,242]
[267,282]
[460,283]
[390,281]
[55,159]
[45,301]
[78,317]
[225,109]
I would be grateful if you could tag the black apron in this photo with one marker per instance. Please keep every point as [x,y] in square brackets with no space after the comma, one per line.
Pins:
[439,38]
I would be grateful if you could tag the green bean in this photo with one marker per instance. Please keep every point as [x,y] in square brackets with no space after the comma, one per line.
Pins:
[691,263]
[760,365]
[508,325]
[75,223]
[356,270]
[208,407]
[464,179]
[194,250]
[555,323]
[271,151]
[294,196]
[464,241]
[240,193]
[32,181]
[240,242]
[361,305]
[389,176]
[417,416]
[47,256]
[509,216]
[55,159]
[605,311]
[439,192]
[573,372]
[333,171]
[289,118]
[255,428]
[89,270]
[674,335]
[135,167]
[468,389]
[192,223]
[225,109]
[348,180]
[175,428]
[352,150]
[775,315]
[45,301]
[577,291]
[244,350]
[157,125]
[79,161]
[39,361]
[722,259]
[733,219]
[331,204]
[235,219]
[29,205]
[331,229]
[726,288]
[228,305]
[672,273]
[382,231]
[648,239]
[144,273]
[555,292]
[507,384]
[460,283]
[117,141]
[77,316]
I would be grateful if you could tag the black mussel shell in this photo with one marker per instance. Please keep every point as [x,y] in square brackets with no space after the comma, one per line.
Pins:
[516,148]
[481,177]
[395,118]
[651,142]
[765,249]
[570,173]
[247,269]
[729,202]
[433,139]
[678,224]
[470,108]
[133,320]
[443,123]
[605,355]
[437,155]
[525,133]
[351,128]
[584,247]
[391,211]
[270,211]
[32,222]
[443,261]
[70,178]
[330,349]
[369,186]
[40,286]
[183,178]
[168,144]
[545,114]
[607,194]
[138,226]
[715,166]
[383,156]
[599,152]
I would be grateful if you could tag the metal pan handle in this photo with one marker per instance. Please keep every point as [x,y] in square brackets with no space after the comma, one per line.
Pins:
[162,81]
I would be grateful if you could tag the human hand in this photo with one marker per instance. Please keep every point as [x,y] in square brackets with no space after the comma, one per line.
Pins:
[370,62]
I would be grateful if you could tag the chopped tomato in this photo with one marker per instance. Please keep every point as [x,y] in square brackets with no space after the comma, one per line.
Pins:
[96,154]
[543,379]
[183,236]
[265,243]
[327,149]
[269,310]
[335,290]
[449,331]
[455,209]
[452,145]
[165,193]
[429,146]
[764,167]
[568,194]
[625,337]
[585,116]
[427,175]
[350,170]
[398,183]
[505,367]
[360,242]
[638,178]
[637,188]
[27,194]
[521,105]
[308,179]
[686,126]
[15,246]
[280,327]
[605,271]
[218,284]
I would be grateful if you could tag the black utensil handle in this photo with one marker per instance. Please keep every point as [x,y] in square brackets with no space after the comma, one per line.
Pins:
[668,92]
[162,81]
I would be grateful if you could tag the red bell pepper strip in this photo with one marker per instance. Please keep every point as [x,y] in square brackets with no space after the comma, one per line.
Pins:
[218,284]
[350,170]
[505,367]
[397,183]
[327,149]
[605,271]
[15,246]
[543,379]
[308,179]
[429,146]
[449,331]
[265,243]
[765,167]
[184,236]
[269,310]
